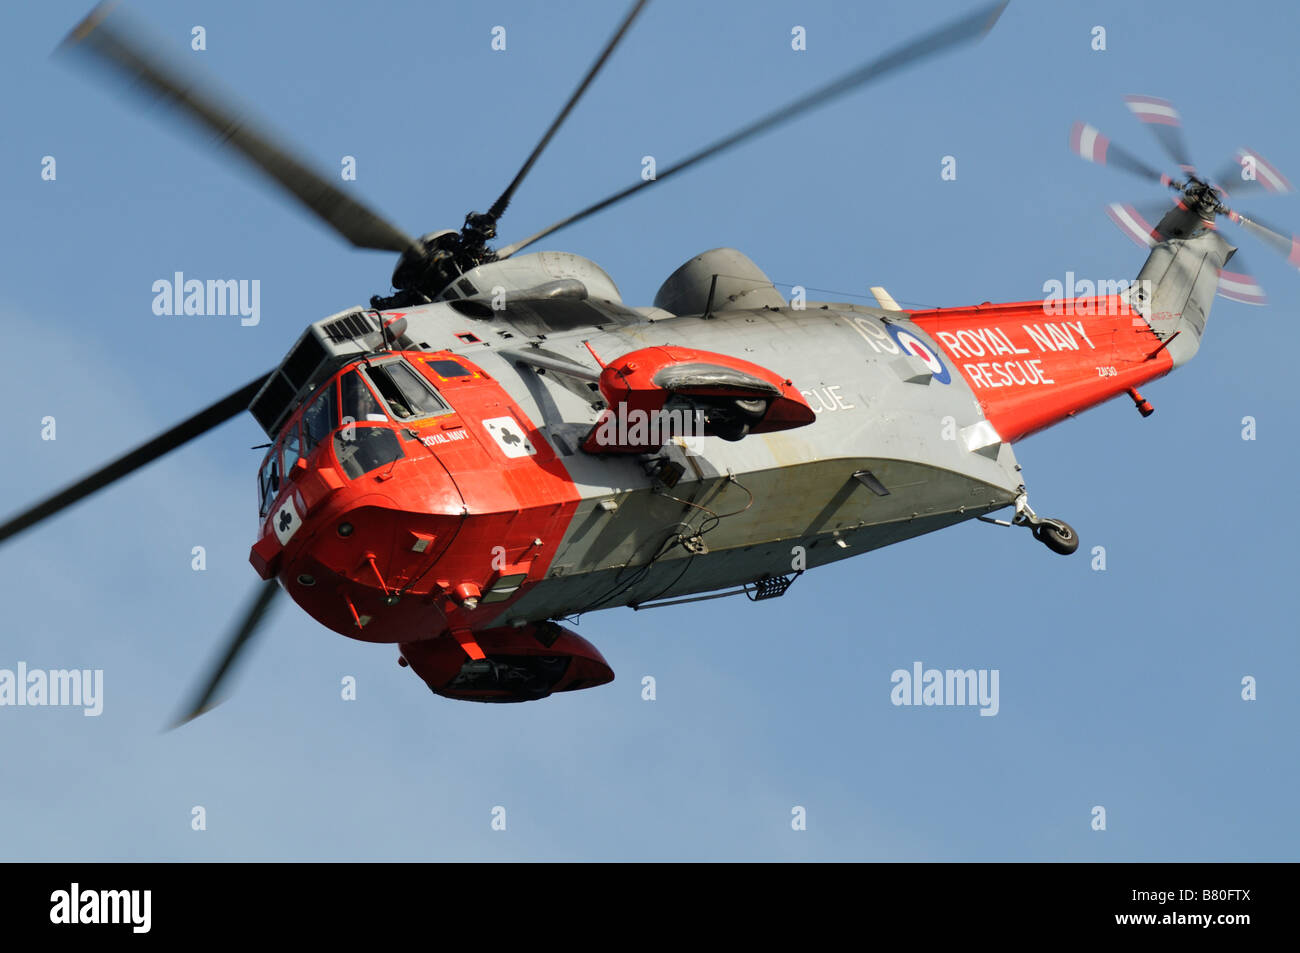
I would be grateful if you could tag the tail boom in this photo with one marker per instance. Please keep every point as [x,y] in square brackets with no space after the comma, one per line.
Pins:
[1032,364]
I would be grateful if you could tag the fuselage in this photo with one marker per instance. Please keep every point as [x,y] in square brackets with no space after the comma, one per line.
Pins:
[483,494]
[431,479]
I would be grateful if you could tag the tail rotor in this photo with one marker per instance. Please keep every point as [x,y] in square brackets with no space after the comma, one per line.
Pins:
[1198,201]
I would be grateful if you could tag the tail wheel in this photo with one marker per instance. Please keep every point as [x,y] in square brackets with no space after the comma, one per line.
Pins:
[1057,536]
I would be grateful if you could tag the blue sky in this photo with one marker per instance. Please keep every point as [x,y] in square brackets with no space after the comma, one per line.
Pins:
[1118,688]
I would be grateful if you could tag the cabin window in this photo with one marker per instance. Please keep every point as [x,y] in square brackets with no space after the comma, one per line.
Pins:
[268,480]
[319,419]
[405,392]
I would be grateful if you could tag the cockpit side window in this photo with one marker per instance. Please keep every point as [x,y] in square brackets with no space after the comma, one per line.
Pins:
[268,480]
[292,450]
[356,400]
[407,394]
[319,419]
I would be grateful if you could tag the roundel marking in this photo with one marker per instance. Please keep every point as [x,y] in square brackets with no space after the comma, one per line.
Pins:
[911,344]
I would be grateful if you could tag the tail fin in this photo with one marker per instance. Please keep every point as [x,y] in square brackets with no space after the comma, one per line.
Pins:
[1176,287]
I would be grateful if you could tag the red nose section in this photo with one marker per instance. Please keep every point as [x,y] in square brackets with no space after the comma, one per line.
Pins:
[524,664]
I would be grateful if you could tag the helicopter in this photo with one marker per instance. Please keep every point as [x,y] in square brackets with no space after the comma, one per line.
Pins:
[501,443]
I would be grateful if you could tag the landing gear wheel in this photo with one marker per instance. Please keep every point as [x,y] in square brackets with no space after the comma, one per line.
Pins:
[1057,536]
[732,430]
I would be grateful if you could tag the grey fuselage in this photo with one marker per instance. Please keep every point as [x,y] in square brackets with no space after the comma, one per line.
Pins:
[766,505]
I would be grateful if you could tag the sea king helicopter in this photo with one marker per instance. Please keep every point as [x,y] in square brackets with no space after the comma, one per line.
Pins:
[502,442]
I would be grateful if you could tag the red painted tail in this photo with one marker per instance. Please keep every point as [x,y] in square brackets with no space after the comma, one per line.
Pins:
[1034,363]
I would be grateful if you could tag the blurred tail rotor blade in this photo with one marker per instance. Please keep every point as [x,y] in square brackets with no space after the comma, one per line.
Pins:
[1251,172]
[1088,143]
[965,29]
[1138,222]
[1286,245]
[1160,116]
[1240,286]
[499,206]
[206,697]
[110,42]
[205,420]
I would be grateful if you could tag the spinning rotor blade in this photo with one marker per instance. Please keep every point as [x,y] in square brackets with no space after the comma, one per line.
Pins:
[1139,222]
[1240,286]
[1160,116]
[1251,172]
[499,206]
[124,53]
[1089,144]
[970,27]
[146,453]
[205,698]
[1286,245]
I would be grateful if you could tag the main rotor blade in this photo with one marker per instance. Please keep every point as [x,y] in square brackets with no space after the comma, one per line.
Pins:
[124,52]
[1251,172]
[144,454]
[969,27]
[1160,116]
[499,206]
[1087,142]
[1286,245]
[205,697]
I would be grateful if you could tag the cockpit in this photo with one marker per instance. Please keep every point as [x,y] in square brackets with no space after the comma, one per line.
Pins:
[358,406]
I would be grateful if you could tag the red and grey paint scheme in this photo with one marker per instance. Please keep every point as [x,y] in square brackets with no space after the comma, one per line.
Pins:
[502,443]
[462,523]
